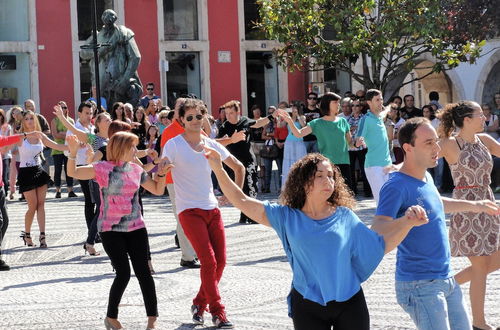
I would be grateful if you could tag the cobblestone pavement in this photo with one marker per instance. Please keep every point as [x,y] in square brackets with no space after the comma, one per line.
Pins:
[61,288]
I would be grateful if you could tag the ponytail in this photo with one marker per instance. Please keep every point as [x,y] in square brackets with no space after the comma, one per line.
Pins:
[446,125]
[453,116]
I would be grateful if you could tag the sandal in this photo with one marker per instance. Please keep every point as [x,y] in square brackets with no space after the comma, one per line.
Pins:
[43,243]
[27,238]
[90,249]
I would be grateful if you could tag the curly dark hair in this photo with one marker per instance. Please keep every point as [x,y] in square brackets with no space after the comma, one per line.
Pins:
[301,177]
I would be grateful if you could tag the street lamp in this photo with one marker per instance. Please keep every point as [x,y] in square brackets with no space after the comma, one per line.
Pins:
[95,47]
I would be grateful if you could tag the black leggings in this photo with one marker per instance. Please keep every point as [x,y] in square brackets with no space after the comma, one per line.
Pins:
[347,315]
[345,170]
[89,210]
[120,246]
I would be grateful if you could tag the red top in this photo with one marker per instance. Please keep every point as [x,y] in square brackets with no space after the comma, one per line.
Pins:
[5,141]
[280,133]
[170,132]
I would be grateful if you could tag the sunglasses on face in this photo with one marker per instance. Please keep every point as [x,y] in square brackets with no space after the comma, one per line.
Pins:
[198,117]
[312,98]
[150,89]
[64,108]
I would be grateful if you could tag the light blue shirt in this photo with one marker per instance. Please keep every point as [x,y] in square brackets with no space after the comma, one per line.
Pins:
[330,258]
[372,129]
[425,252]
[290,136]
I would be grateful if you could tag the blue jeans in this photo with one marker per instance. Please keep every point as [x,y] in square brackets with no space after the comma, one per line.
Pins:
[311,146]
[433,304]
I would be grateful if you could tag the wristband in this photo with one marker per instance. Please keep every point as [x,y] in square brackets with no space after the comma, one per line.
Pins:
[160,176]
[270,117]
[71,158]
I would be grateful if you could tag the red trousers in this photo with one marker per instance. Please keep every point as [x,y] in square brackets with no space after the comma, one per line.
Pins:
[205,231]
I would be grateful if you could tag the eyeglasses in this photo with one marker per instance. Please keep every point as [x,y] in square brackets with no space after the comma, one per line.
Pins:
[150,89]
[64,108]
[198,117]
[312,98]
[357,105]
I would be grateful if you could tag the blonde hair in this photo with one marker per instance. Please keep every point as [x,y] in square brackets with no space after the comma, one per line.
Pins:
[119,144]
[35,119]
[163,113]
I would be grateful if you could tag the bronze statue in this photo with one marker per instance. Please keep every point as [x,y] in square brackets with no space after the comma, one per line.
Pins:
[118,61]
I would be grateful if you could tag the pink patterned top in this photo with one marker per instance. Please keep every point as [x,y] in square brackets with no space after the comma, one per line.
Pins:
[119,184]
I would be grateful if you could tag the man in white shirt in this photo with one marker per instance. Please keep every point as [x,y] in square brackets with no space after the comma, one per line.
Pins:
[197,206]
[84,123]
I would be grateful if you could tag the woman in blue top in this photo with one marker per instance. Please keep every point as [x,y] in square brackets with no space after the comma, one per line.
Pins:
[330,250]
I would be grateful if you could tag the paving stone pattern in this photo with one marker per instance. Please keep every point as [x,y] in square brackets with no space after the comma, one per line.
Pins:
[61,288]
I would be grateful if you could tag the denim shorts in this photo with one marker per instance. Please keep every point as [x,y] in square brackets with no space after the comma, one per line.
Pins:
[434,304]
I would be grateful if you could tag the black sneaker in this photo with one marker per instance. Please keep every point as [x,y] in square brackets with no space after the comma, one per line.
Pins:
[221,322]
[58,194]
[197,312]
[190,264]
[72,194]
[3,266]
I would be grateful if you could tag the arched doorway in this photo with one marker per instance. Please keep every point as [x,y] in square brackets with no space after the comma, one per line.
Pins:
[491,85]
[445,83]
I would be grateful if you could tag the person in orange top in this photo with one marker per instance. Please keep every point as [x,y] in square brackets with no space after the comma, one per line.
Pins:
[188,258]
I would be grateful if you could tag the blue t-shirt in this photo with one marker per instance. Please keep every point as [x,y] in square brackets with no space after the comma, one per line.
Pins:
[372,129]
[144,101]
[425,252]
[330,258]
[103,102]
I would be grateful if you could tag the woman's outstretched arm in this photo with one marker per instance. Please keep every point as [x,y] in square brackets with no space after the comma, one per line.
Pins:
[252,207]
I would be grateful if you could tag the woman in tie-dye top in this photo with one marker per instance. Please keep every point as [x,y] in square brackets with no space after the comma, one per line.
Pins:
[120,222]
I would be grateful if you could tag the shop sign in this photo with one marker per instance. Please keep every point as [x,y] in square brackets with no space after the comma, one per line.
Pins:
[7,62]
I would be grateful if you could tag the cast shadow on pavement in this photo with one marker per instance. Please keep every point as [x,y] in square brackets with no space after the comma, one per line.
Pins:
[78,260]
[61,280]
[185,326]
[270,259]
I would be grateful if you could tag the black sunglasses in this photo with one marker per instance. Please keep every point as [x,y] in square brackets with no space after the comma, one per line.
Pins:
[312,98]
[198,117]
[150,89]
[64,108]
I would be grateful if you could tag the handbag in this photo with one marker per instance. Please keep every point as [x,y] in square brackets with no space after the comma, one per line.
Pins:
[270,150]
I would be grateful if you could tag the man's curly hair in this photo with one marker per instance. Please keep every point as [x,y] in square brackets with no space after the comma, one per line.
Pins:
[300,180]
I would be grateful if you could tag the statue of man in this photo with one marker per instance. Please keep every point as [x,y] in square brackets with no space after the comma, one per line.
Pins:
[118,61]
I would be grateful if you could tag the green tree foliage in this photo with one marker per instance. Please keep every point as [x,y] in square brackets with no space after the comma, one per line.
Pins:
[388,36]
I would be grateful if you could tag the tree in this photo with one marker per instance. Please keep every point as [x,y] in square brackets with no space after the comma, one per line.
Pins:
[388,36]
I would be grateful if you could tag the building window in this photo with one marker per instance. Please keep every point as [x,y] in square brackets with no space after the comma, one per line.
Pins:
[337,81]
[15,79]
[262,79]
[85,17]
[183,75]
[180,19]
[14,20]
[251,17]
